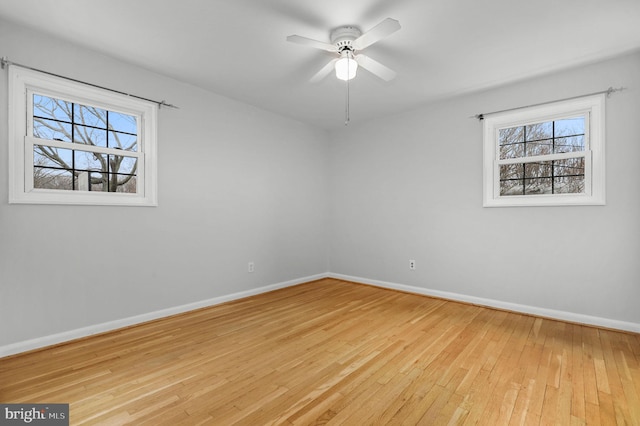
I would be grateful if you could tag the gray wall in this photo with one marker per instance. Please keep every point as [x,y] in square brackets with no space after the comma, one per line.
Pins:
[410,187]
[239,184]
[236,184]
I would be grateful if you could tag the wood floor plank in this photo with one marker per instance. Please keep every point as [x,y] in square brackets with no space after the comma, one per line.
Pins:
[334,352]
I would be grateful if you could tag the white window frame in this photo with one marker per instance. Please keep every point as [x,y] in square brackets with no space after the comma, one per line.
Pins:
[22,84]
[592,108]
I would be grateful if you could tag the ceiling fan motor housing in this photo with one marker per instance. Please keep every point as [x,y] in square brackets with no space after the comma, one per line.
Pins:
[343,37]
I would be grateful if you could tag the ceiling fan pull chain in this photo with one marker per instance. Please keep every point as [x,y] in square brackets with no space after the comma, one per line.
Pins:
[347,118]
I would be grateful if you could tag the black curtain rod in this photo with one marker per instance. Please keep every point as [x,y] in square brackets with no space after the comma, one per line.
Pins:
[609,91]
[4,62]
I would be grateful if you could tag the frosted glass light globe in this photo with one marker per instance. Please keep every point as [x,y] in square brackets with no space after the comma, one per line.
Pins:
[346,68]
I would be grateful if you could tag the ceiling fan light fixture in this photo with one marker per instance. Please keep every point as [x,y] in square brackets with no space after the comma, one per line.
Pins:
[346,67]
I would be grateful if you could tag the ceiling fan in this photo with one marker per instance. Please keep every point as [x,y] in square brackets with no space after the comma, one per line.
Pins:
[346,41]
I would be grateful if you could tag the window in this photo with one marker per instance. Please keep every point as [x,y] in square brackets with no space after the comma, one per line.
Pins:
[546,155]
[71,143]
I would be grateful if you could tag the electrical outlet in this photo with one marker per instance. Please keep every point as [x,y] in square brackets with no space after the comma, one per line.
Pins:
[251,267]
[412,264]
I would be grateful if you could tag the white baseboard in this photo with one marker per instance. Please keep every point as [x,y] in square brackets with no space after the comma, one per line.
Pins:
[514,307]
[27,345]
[66,336]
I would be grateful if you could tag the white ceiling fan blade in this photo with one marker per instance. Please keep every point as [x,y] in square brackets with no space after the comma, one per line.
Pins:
[375,67]
[312,43]
[377,33]
[324,71]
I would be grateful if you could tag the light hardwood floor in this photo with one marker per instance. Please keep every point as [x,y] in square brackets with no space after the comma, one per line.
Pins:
[333,352]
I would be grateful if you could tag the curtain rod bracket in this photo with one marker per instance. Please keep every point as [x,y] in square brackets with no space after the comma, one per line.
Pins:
[165,104]
[612,90]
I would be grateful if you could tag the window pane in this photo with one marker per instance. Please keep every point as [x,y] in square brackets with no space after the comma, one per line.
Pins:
[51,129]
[123,123]
[511,171]
[52,157]
[511,135]
[538,131]
[537,186]
[514,150]
[511,142]
[538,147]
[511,187]
[90,136]
[538,169]
[122,164]
[569,144]
[569,176]
[570,126]
[47,178]
[569,185]
[51,108]
[90,161]
[127,184]
[569,167]
[123,141]
[511,179]
[90,116]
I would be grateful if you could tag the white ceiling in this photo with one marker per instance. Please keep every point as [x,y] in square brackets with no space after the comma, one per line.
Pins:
[237,48]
